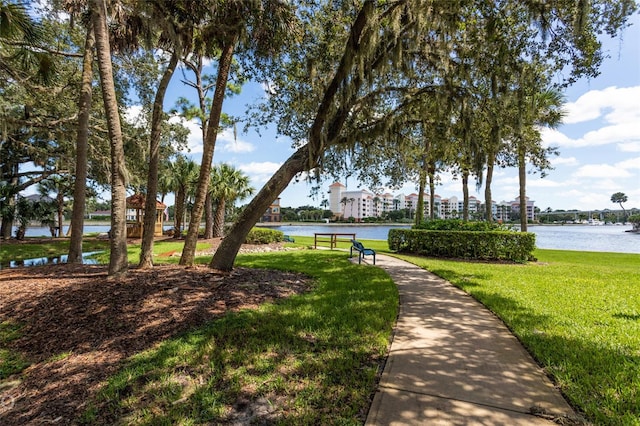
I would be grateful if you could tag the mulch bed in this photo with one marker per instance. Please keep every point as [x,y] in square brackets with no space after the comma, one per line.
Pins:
[78,325]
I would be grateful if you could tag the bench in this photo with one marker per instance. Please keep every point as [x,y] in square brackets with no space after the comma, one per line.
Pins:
[289,239]
[362,251]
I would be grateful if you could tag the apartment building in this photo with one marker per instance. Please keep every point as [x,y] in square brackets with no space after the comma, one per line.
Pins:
[362,203]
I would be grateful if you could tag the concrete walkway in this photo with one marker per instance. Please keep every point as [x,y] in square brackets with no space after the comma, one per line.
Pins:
[452,362]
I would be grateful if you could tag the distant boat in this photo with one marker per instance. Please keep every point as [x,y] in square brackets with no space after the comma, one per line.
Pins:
[595,222]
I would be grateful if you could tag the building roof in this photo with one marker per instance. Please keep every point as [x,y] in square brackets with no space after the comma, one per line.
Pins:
[137,201]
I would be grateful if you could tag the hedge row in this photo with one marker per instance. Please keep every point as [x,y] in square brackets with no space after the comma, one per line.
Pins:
[264,236]
[490,245]
[461,225]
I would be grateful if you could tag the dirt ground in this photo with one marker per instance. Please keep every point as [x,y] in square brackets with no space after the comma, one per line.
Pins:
[78,326]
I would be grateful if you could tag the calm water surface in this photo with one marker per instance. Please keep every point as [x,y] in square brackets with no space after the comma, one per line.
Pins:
[608,238]
[568,237]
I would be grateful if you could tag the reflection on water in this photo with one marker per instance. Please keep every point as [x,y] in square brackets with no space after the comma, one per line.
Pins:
[52,260]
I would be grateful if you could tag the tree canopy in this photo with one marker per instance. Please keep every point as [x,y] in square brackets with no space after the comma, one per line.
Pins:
[388,90]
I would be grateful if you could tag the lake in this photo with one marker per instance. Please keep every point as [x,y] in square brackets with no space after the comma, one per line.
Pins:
[609,238]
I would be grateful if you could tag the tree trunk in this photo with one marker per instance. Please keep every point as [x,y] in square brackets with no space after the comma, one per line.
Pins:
[149,227]
[224,65]
[118,262]
[421,187]
[179,212]
[225,256]
[208,216]
[82,148]
[522,179]
[218,223]
[487,189]
[465,195]
[60,207]
[9,216]
[432,190]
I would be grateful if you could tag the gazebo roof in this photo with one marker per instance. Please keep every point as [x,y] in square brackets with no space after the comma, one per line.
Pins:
[137,201]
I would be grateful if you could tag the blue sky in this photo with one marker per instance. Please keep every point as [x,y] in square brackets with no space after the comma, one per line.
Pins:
[599,142]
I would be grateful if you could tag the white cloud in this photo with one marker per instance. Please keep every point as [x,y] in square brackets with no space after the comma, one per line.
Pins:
[617,110]
[630,163]
[259,172]
[601,171]
[236,145]
[564,161]
[194,140]
[133,115]
[551,137]
[621,101]
[544,183]
[629,146]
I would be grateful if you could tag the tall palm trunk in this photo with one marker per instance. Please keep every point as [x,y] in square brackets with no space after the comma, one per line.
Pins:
[118,262]
[146,251]
[82,148]
[522,178]
[208,216]
[218,220]
[60,208]
[179,212]
[226,253]
[432,189]
[487,188]
[421,187]
[465,195]
[224,65]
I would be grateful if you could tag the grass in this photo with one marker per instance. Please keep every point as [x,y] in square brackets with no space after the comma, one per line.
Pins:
[312,359]
[45,248]
[11,362]
[162,251]
[578,313]
[377,245]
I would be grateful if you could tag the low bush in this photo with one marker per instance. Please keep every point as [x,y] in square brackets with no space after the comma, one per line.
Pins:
[488,245]
[460,225]
[264,236]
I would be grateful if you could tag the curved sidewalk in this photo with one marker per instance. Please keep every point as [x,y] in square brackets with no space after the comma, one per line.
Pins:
[452,362]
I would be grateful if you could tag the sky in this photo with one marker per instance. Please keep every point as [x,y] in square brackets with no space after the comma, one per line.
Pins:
[599,143]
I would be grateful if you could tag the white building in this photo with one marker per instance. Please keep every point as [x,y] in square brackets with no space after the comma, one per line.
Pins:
[362,203]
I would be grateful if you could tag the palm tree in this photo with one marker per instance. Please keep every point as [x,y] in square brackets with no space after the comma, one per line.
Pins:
[182,174]
[175,34]
[118,260]
[541,109]
[60,187]
[620,197]
[261,26]
[82,149]
[227,185]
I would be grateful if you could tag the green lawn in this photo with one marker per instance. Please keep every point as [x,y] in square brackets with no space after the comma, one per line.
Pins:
[578,313]
[313,358]
[45,248]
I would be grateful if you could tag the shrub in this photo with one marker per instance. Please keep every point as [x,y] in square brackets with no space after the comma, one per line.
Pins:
[460,225]
[264,236]
[486,245]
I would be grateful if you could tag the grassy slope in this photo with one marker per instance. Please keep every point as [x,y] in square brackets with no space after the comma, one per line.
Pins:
[578,313]
[313,357]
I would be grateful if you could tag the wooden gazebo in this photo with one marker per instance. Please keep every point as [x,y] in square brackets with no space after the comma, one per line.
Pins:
[134,226]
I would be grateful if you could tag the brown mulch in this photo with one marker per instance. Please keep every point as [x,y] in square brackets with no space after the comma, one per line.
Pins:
[78,325]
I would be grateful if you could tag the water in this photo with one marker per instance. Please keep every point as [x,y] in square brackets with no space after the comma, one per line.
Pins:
[608,238]
[569,237]
[52,260]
